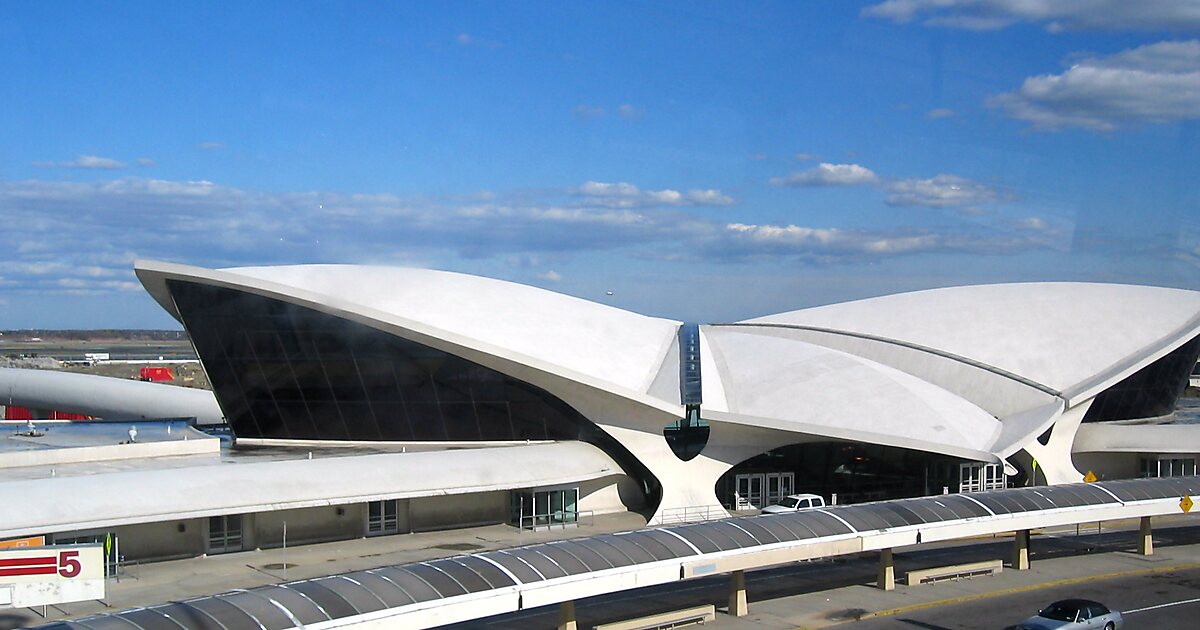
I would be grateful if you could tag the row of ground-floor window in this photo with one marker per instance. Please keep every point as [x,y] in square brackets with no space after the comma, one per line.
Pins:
[540,508]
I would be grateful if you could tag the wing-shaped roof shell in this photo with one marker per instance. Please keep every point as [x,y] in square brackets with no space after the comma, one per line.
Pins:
[806,388]
[1075,338]
[568,334]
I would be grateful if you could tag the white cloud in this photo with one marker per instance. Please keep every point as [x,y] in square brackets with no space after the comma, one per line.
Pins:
[85,161]
[939,113]
[1054,15]
[464,39]
[626,195]
[550,276]
[826,174]
[1154,83]
[583,111]
[629,112]
[942,191]
[97,228]
[832,240]
[144,162]
[211,146]
[807,157]
[1034,224]
[834,245]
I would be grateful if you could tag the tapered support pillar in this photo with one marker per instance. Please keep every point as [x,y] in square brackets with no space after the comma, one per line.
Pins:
[737,594]
[887,571]
[1145,540]
[1020,551]
[566,616]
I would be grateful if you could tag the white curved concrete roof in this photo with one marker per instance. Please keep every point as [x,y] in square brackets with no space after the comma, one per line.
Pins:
[975,371]
[1074,338]
[805,388]
[573,335]
[106,397]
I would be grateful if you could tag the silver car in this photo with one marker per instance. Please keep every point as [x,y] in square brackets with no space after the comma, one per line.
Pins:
[1072,614]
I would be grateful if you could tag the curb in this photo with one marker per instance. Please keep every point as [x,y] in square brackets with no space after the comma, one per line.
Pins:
[1028,587]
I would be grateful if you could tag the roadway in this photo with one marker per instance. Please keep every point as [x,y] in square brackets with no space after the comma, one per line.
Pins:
[1168,600]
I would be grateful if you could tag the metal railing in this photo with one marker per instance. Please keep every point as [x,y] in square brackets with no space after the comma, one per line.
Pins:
[689,514]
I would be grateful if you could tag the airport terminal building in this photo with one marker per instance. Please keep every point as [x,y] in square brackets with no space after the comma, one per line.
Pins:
[435,399]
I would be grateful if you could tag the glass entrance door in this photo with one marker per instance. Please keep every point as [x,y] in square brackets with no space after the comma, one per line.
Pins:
[225,533]
[779,485]
[749,494]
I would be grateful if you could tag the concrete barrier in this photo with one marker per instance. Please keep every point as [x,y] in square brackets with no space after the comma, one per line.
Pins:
[661,621]
[954,572]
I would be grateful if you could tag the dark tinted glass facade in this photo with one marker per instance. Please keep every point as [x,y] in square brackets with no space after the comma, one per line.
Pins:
[1149,392]
[288,372]
[855,472]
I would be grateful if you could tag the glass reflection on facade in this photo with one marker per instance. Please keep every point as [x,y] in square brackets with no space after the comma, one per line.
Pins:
[284,371]
[1149,392]
[855,472]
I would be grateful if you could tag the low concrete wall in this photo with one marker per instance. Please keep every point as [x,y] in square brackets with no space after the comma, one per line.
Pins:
[609,495]
[309,525]
[199,445]
[1108,465]
[461,510]
[167,540]
[162,541]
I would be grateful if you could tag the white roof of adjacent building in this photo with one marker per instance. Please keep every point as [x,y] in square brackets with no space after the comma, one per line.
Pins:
[106,397]
[195,487]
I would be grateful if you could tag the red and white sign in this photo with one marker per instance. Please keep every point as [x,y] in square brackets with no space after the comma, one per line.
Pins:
[36,576]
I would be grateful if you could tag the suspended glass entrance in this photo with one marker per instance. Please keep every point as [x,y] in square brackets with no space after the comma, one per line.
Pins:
[544,509]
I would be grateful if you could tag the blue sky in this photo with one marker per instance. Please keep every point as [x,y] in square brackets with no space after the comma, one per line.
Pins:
[704,161]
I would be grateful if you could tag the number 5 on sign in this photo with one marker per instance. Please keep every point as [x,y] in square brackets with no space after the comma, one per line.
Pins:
[68,564]
[37,576]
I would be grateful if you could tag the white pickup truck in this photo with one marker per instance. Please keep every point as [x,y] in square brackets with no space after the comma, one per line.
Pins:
[795,503]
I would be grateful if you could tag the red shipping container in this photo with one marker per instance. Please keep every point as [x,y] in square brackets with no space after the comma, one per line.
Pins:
[157,374]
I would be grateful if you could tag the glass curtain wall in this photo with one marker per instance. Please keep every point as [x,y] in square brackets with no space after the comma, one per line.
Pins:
[1149,392]
[287,372]
[855,472]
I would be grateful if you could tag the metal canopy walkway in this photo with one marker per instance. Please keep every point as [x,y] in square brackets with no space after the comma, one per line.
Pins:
[461,588]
